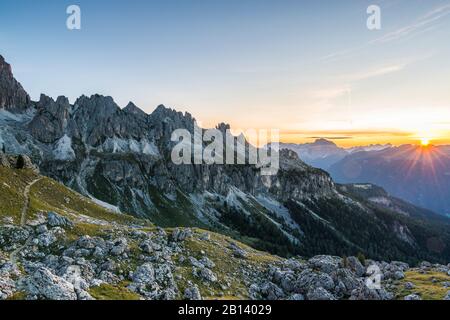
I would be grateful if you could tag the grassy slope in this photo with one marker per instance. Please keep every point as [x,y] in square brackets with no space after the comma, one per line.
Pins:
[428,285]
[12,186]
[48,195]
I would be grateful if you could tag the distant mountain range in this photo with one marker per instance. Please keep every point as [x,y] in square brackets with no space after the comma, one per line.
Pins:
[417,174]
[120,158]
[324,153]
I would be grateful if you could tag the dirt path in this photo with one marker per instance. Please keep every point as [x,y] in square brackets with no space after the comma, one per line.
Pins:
[23,219]
[26,204]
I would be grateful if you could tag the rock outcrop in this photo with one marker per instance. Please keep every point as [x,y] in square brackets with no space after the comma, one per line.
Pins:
[12,95]
[17,162]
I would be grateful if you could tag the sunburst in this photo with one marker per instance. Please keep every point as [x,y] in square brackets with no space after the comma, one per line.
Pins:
[425,142]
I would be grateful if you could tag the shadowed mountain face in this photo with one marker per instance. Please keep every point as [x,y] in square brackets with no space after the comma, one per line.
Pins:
[120,158]
[420,175]
[320,154]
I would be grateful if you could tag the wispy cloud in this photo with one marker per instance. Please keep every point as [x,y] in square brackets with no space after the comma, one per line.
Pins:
[384,69]
[347,81]
[375,72]
[343,53]
[426,22]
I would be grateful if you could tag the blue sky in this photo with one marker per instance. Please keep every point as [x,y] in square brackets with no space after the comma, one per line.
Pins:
[307,67]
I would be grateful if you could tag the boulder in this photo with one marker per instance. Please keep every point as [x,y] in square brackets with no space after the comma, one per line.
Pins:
[41,229]
[271,291]
[207,275]
[238,252]
[146,246]
[194,262]
[412,297]
[46,239]
[205,236]
[192,293]
[45,285]
[425,265]
[207,262]
[319,293]
[120,246]
[297,297]
[4,161]
[356,266]
[56,220]
[346,282]
[311,279]
[179,235]
[8,272]
[409,285]
[144,275]
[447,296]
[398,275]
[364,293]
[398,265]
[86,242]
[287,282]
[325,264]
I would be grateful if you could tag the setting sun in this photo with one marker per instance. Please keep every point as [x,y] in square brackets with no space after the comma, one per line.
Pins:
[425,142]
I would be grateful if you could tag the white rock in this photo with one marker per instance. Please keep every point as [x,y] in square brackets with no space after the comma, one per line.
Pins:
[44,284]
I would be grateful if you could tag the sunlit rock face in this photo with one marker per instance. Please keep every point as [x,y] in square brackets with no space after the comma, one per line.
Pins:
[12,96]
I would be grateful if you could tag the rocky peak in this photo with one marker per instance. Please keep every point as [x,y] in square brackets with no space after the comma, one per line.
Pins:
[289,160]
[98,104]
[289,154]
[324,142]
[12,95]
[93,115]
[162,112]
[165,120]
[48,103]
[133,109]
[51,119]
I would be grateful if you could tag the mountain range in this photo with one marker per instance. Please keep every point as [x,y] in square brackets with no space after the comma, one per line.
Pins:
[120,159]
[323,153]
[417,174]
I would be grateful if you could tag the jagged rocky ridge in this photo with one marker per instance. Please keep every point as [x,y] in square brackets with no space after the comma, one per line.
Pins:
[121,159]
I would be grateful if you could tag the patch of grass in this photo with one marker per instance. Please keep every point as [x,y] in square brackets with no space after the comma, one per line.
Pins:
[82,229]
[12,186]
[110,292]
[55,195]
[18,295]
[424,285]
